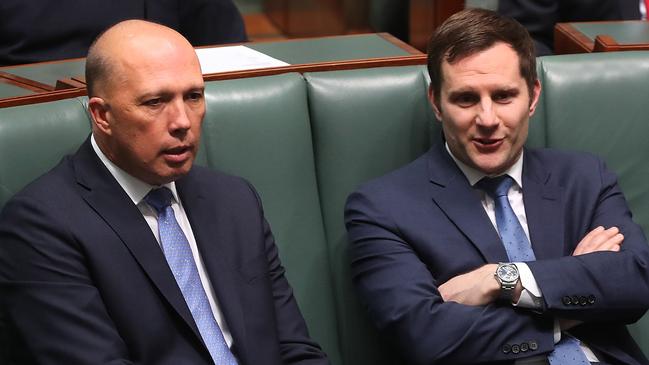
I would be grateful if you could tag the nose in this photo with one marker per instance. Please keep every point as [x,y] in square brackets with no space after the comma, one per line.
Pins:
[179,116]
[486,116]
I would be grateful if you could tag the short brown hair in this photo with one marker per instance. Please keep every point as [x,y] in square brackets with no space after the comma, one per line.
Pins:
[474,30]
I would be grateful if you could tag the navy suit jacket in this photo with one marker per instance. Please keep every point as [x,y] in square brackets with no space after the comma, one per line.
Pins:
[421,225]
[83,279]
[540,16]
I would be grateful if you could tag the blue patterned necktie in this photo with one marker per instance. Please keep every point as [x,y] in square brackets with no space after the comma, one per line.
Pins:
[511,232]
[566,351]
[181,261]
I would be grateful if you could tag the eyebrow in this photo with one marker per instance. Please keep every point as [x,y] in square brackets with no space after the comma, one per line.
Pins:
[513,90]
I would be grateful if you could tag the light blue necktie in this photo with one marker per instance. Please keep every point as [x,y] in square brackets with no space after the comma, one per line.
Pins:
[511,232]
[566,351]
[181,261]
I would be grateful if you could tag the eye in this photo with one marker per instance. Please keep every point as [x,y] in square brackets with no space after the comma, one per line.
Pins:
[195,96]
[465,100]
[504,97]
[153,102]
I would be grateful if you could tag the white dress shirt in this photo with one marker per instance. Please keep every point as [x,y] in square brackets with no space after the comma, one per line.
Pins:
[137,190]
[531,296]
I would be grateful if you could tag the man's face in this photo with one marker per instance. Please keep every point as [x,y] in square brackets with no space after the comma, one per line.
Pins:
[485,108]
[155,108]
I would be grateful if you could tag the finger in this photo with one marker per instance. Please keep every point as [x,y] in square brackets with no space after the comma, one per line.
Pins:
[585,242]
[606,241]
[593,233]
[603,238]
[594,239]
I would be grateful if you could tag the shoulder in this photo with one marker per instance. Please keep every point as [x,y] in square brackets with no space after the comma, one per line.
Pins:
[562,161]
[219,185]
[216,178]
[569,169]
[56,185]
[402,179]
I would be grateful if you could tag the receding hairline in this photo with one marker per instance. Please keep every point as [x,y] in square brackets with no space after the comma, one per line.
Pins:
[100,63]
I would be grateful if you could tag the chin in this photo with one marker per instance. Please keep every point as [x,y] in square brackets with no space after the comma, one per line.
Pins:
[491,167]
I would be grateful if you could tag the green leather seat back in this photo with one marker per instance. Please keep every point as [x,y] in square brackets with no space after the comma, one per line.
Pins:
[599,103]
[259,128]
[33,139]
[537,129]
[365,123]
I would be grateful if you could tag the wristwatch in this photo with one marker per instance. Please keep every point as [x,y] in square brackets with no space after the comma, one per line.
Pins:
[507,276]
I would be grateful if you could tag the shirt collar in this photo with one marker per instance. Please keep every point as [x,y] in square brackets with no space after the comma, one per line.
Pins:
[474,175]
[135,188]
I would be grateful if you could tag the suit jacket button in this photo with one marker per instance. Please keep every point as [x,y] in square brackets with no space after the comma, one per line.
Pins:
[506,349]
[583,300]
[566,300]
[525,346]
[591,299]
[516,349]
[574,300]
[533,345]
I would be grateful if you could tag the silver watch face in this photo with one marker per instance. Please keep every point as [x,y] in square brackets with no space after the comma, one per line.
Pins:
[508,273]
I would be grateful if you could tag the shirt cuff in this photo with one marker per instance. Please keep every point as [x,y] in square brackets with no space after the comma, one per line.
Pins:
[531,296]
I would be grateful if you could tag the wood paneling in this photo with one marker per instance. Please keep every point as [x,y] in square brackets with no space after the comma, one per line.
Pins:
[426,16]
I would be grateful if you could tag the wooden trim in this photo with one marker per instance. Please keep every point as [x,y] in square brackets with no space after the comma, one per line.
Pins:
[426,15]
[5,80]
[24,81]
[399,43]
[322,66]
[75,86]
[567,39]
[605,43]
[69,83]
[3,68]
[42,97]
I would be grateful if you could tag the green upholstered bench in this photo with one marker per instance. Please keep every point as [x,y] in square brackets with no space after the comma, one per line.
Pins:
[306,141]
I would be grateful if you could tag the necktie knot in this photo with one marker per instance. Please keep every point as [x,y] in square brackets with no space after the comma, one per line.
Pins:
[496,186]
[159,199]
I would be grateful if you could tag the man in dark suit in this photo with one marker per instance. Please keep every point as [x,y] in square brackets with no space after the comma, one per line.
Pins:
[43,30]
[483,251]
[540,16]
[126,253]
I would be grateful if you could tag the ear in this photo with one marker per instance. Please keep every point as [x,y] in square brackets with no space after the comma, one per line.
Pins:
[536,93]
[99,109]
[433,103]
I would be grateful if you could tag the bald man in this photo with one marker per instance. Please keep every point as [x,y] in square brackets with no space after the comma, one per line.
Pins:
[126,253]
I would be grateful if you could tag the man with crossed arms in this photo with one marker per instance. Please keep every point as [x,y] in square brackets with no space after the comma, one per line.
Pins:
[483,251]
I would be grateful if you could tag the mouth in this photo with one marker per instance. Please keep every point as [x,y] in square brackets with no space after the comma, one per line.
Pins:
[178,154]
[488,144]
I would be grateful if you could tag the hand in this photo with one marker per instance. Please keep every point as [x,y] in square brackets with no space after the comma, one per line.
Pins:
[477,287]
[600,239]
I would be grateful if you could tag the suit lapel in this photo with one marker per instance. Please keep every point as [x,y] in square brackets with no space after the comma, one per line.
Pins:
[102,192]
[543,208]
[215,245]
[461,204]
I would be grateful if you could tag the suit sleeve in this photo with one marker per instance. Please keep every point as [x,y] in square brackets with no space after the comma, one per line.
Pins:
[52,313]
[402,298]
[296,347]
[600,286]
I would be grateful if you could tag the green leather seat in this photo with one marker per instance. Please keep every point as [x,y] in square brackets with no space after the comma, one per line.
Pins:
[259,128]
[33,139]
[365,123]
